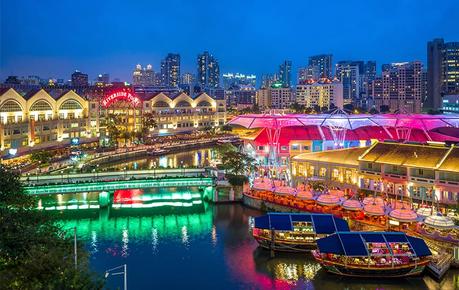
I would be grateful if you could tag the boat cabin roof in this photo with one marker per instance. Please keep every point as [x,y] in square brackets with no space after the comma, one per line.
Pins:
[322,223]
[354,244]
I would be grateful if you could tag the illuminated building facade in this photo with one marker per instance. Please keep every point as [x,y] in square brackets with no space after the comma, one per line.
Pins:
[170,70]
[423,173]
[324,93]
[208,71]
[43,118]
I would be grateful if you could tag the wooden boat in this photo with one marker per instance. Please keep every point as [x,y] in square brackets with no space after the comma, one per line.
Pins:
[295,232]
[372,254]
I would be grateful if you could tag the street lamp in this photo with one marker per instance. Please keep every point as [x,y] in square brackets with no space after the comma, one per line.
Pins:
[154,169]
[124,272]
[62,176]
[124,172]
[183,168]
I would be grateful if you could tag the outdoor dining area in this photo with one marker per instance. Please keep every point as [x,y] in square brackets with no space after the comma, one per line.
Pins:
[378,211]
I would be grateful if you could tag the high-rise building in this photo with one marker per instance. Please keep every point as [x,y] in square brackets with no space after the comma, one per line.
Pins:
[351,73]
[442,71]
[319,66]
[285,73]
[103,78]
[170,70]
[149,76]
[263,98]
[281,97]
[399,88]
[324,93]
[187,79]
[137,76]
[240,95]
[238,80]
[267,80]
[208,70]
[79,79]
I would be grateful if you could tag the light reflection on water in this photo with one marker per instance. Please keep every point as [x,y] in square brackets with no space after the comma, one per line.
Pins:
[192,158]
[209,248]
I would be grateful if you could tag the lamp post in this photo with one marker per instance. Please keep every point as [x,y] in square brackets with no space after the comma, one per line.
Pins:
[183,168]
[124,172]
[154,169]
[124,272]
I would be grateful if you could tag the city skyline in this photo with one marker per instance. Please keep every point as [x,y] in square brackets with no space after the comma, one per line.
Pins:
[30,47]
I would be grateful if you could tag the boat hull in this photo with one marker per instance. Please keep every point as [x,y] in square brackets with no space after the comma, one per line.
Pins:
[380,272]
[284,246]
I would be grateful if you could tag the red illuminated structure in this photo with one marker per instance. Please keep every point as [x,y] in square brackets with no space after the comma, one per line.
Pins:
[121,95]
[278,132]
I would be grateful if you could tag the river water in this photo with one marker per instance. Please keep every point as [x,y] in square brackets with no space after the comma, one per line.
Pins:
[180,242]
[206,247]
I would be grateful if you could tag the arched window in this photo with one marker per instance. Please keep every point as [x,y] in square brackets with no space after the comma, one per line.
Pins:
[41,106]
[10,106]
[161,104]
[71,105]
[204,104]
[183,104]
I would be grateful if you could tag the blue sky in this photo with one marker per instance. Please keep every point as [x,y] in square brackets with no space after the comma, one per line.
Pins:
[53,38]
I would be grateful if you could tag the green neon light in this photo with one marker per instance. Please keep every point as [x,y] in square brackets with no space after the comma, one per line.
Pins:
[114,185]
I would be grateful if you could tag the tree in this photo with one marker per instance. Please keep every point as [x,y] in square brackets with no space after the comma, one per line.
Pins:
[41,156]
[114,132]
[148,123]
[373,111]
[297,108]
[34,252]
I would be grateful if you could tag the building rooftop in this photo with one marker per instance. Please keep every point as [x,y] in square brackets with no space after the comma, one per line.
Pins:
[348,156]
[410,155]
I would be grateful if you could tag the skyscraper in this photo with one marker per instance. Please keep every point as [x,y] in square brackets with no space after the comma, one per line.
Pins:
[208,70]
[350,73]
[320,66]
[238,80]
[79,79]
[442,71]
[170,70]
[137,76]
[187,79]
[399,88]
[285,73]
[149,76]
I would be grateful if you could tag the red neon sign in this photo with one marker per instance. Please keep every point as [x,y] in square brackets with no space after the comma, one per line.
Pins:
[120,95]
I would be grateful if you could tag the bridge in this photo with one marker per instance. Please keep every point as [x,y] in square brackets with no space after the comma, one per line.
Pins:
[120,184]
[63,177]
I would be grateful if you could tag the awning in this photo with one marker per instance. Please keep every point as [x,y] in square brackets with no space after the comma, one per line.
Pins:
[353,244]
[322,223]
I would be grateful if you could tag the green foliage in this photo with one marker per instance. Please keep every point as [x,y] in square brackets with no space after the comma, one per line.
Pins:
[34,252]
[298,108]
[41,156]
[317,185]
[237,180]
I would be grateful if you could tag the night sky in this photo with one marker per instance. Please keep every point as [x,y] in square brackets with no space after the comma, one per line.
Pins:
[53,38]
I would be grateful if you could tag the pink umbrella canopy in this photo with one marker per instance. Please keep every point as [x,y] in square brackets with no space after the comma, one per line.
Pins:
[371,200]
[337,192]
[305,195]
[284,190]
[403,215]
[328,199]
[374,209]
[352,204]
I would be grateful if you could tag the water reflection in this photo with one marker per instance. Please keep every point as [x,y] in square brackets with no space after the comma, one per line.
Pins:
[192,158]
[209,248]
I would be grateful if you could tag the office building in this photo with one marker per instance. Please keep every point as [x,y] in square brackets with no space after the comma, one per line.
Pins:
[323,93]
[399,88]
[187,79]
[319,66]
[351,73]
[442,71]
[285,73]
[263,98]
[238,80]
[281,97]
[170,70]
[79,79]
[208,71]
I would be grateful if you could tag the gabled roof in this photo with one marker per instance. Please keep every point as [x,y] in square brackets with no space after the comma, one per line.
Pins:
[411,155]
[353,244]
[348,156]
[451,161]
[31,93]
[322,223]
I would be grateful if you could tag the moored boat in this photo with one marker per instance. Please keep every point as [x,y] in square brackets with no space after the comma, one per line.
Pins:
[372,254]
[295,231]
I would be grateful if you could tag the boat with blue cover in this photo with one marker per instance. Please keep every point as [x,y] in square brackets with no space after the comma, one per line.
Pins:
[372,254]
[295,231]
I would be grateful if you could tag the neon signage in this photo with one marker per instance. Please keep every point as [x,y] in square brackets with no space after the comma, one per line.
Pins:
[120,95]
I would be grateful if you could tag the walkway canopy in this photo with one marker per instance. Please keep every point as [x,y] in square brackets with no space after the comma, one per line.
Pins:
[354,244]
[322,223]
[439,222]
